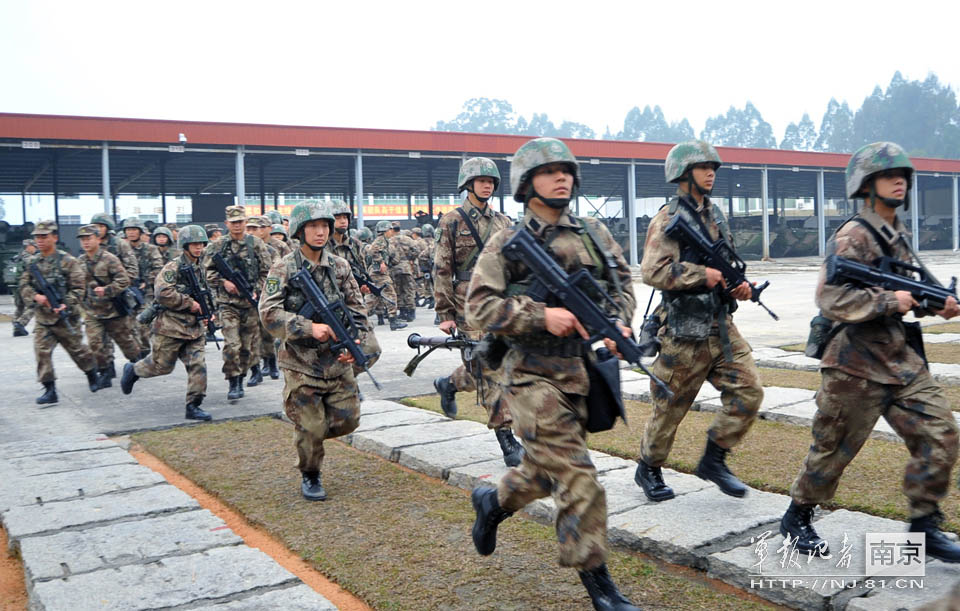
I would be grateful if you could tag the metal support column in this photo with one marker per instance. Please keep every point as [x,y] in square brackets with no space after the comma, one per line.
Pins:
[105,177]
[263,191]
[163,191]
[430,190]
[915,212]
[631,211]
[409,205]
[956,215]
[241,180]
[764,208]
[56,189]
[23,202]
[358,175]
[821,216]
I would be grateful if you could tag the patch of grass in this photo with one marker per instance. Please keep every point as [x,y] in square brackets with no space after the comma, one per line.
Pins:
[397,539]
[947,327]
[770,458]
[794,347]
[943,353]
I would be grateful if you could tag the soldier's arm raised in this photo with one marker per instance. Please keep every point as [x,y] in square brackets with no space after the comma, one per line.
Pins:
[661,266]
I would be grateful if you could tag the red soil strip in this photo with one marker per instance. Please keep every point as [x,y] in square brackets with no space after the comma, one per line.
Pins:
[13,588]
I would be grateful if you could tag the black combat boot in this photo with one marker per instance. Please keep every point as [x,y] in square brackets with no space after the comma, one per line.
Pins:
[411,314]
[795,524]
[489,516]
[448,396]
[396,324]
[312,487]
[651,480]
[194,412]
[938,545]
[49,394]
[380,319]
[511,448]
[240,385]
[272,368]
[603,592]
[713,469]
[105,378]
[112,370]
[234,393]
[255,375]
[93,379]
[19,330]
[128,378]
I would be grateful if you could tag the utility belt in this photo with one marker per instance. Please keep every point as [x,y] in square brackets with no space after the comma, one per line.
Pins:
[566,348]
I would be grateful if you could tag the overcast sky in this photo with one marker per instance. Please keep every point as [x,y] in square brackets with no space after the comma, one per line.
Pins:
[405,65]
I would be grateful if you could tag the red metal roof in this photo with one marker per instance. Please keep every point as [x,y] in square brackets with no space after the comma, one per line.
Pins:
[98,129]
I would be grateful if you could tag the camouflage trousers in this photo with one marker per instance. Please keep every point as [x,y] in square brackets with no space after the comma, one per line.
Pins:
[848,407]
[473,376]
[406,291]
[377,304]
[46,338]
[267,346]
[119,329]
[685,366]
[552,426]
[241,339]
[24,312]
[142,331]
[425,287]
[163,357]
[319,409]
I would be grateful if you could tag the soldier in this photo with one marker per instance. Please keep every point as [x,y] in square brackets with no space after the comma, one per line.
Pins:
[402,273]
[277,231]
[381,258]
[248,255]
[548,383]
[24,311]
[178,329]
[66,275]
[123,251]
[259,226]
[104,283]
[213,230]
[871,368]
[165,240]
[416,234]
[320,393]
[460,238]
[149,263]
[425,263]
[175,232]
[343,245]
[699,341]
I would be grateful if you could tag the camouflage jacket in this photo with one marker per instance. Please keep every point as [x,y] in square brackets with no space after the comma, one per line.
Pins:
[380,251]
[282,248]
[872,343]
[427,251]
[280,305]
[103,269]
[168,253]
[453,261]
[172,292]
[497,301]
[123,251]
[62,271]
[249,255]
[350,249]
[149,262]
[407,252]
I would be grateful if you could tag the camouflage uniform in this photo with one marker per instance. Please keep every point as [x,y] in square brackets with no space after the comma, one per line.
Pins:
[267,349]
[123,251]
[67,275]
[425,265]
[24,311]
[168,252]
[102,318]
[381,251]
[238,317]
[402,273]
[149,264]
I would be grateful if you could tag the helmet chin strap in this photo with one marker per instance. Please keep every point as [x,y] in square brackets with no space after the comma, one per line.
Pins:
[557,203]
[340,230]
[889,201]
[315,248]
[482,200]
[692,184]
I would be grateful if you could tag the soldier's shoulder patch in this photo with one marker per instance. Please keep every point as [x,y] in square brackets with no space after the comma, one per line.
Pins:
[169,276]
[273,285]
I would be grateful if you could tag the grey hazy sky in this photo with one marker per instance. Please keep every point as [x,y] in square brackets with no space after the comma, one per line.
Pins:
[407,64]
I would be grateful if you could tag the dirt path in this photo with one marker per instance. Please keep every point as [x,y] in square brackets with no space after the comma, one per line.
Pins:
[13,589]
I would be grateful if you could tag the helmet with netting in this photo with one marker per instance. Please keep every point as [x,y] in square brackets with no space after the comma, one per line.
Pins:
[475,167]
[305,212]
[686,154]
[535,153]
[872,158]
[191,234]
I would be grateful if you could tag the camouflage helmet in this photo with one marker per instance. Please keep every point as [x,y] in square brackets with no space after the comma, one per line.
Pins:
[191,234]
[428,230]
[304,212]
[134,222]
[354,232]
[91,230]
[162,231]
[532,155]
[476,167]
[278,228]
[274,217]
[365,234]
[384,226]
[338,206]
[872,158]
[45,227]
[102,218]
[686,154]
[417,231]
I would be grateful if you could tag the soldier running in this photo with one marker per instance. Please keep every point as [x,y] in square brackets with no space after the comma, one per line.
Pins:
[123,251]
[381,258]
[402,273]
[24,310]
[149,264]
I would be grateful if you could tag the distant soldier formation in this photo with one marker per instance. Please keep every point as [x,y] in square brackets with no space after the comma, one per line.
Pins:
[542,308]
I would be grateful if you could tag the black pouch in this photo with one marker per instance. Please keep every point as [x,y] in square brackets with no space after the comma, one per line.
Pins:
[491,350]
[649,335]
[604,401]
[690,315]
[819,336]
[914,337]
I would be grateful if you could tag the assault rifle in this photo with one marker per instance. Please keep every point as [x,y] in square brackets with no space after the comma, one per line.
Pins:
[363,279]
[239,280]
[717,255]
[551,279]
[319,309]
[201,294]
[889,274]
[52,294]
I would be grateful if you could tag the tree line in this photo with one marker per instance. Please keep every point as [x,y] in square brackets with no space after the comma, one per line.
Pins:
[922,116]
